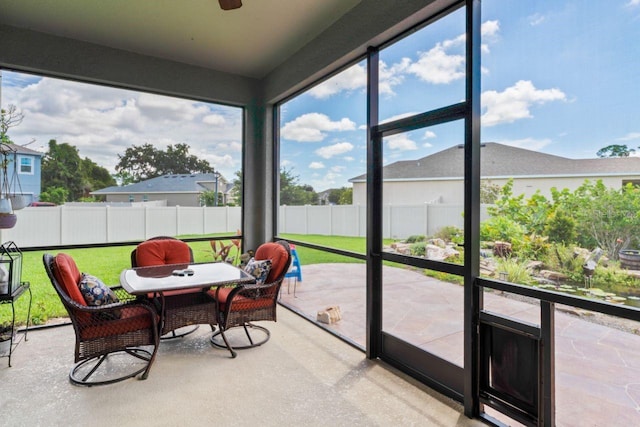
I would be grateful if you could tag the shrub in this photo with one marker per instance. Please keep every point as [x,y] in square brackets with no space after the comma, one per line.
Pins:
[501,228]
[416,238]
[561,228]
[531,246]
[566,260]
[450,233]
[517,271]
[418,249]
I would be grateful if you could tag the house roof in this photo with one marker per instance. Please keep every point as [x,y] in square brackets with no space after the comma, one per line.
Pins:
[24,150]
[179,183]
[500,161]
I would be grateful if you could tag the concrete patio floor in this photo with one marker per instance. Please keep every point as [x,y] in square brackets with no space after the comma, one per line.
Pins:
[597,366]
[303,376]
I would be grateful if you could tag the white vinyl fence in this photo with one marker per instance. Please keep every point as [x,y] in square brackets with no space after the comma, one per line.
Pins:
[74,225]
[398,222]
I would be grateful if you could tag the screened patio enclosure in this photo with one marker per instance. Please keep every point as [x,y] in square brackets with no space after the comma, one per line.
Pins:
[269,51]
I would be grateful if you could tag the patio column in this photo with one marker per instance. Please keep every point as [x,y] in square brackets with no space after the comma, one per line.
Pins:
[258,187]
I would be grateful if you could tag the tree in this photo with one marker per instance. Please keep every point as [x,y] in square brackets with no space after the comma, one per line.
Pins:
[341,196]
[236,191]
[609,217]
[294,194]
[94,177]
[208,198]
[9,117]
[615,150]
[291,193]
[57,195]
[489,192]
[346,196]
[146,161]
[61,168]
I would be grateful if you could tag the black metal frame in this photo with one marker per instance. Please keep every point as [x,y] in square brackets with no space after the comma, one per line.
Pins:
[11,299]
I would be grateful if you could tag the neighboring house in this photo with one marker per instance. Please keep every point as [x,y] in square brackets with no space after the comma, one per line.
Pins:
[438,178]
[177,190]
[323,197]
[24,171]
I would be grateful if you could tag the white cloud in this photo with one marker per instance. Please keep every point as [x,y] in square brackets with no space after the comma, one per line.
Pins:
[429,134]
[311,127]
[355,78]
[633,3]
[437,66]
[391,76]
[213,119]
[489,28]
[348,159]
[316,165]
[333,150]
[101,122]
[337,168]
[400,143]
[351,79]
[514,102]
[536,19]
[631,135]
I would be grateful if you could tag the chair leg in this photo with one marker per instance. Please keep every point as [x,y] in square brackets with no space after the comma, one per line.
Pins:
[220,332]
[172,334]
[85,380]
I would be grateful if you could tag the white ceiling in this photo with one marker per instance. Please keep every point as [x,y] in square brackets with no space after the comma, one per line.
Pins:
[250,41]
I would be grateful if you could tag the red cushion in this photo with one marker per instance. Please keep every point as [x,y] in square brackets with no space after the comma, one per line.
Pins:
[131,319]
[160,252]
[67,274]
[278,256]
[240,302]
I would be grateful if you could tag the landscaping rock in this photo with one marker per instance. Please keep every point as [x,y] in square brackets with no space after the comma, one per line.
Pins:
[553,275]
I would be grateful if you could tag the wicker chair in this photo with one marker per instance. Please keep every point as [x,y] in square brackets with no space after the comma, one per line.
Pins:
[182,308]
[102,331]
[239,306]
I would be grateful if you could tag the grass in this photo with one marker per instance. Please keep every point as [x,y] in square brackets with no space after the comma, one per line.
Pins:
[105,263]
[108,263]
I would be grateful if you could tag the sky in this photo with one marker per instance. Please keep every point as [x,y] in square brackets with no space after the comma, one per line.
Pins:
[558,76]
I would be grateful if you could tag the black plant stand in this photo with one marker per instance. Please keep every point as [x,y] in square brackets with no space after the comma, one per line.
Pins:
[11,299]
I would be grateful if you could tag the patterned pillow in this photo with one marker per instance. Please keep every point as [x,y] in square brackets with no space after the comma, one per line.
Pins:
[95,292]
[258,269]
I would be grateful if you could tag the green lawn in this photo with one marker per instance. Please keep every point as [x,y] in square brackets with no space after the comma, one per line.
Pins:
[107,263]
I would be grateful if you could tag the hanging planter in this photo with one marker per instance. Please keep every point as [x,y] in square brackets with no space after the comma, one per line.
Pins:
[18,199]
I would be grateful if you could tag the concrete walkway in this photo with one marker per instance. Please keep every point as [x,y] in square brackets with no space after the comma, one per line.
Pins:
[301,377]
[597,367]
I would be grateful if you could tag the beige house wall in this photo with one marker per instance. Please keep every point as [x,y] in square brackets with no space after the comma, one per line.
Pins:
[173,199]
[452,191]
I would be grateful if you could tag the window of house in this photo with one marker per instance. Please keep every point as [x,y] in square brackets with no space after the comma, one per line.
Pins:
[25,165]
[131,198]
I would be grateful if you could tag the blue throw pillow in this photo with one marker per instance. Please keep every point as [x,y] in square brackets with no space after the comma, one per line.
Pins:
[95,292]
[258,269]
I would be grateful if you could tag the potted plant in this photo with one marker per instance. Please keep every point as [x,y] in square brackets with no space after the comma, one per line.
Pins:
[6,331]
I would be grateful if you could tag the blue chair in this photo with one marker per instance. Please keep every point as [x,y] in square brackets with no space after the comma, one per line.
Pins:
[295,271]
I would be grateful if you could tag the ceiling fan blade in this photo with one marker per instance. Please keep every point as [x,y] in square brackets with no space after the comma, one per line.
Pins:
[230,4]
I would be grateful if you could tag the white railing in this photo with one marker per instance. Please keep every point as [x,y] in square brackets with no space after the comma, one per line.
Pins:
[75,225]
